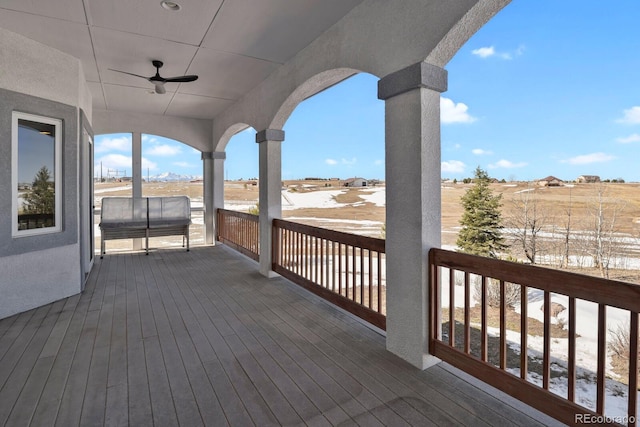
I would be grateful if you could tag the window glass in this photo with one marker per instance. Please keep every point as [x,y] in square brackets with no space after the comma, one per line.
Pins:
[36,174]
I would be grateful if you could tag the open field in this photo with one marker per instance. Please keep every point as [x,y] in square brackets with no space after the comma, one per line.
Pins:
[361,210]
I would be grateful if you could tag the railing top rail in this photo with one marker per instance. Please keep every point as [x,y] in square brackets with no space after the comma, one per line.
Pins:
[364,242]
[595,289]
[237,214]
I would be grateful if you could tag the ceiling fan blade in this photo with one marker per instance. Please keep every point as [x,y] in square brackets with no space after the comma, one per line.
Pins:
[181,79]
[131,74]
[160,88]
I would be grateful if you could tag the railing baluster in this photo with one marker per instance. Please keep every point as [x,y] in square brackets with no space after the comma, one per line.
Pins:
[379,282]
[362,276]
[483,321]
[503,326]
[315,259]
[546,347]
[339,268]
[467,313]
[370,305]
[437,310]
[571,380]
[322,263]
[355,273]
[524,327]
[305,255]
[452,308]
[632,410]
[602,357]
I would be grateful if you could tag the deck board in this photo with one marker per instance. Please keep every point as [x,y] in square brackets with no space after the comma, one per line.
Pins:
[201,338]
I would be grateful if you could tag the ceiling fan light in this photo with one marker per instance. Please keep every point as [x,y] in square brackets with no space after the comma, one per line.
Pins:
[170,6]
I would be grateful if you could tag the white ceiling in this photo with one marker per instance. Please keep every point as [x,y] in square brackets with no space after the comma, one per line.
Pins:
[231,44]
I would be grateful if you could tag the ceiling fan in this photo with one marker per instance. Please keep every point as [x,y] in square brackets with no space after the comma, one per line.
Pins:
[158,80]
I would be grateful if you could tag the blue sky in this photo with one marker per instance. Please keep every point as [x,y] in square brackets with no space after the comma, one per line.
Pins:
[545,88]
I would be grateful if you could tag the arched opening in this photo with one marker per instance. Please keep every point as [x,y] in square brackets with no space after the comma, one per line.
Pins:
[333,159]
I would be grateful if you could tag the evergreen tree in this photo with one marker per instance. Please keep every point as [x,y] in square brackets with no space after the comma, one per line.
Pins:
[481,222]
[41,199]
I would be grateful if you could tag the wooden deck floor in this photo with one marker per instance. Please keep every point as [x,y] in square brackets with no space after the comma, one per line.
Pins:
[200,338]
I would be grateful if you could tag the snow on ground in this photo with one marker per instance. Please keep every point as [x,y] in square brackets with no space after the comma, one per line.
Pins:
[376,195]
[239,205]
[525,190]
[313,199]
[109,190]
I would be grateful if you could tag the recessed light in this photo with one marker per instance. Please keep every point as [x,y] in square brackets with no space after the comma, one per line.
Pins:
[170,5]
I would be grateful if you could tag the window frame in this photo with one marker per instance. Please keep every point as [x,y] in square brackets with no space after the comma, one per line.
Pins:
[57,173]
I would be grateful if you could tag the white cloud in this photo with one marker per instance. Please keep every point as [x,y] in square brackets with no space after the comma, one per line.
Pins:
[631,116]
[487,52]
[149,138]
[122,143]
[450,112]
[484,52]
[628,139]
[148,164]
[163,150]
[331,162]
[378,162]
[506,164]
[481,152]
[452,166]
[586,159]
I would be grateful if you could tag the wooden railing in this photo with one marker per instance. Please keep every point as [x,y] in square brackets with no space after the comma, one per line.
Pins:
[240,231]
[346,269]
[495,342]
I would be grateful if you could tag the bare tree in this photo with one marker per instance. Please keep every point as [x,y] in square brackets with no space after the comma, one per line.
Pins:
[564,262]
[526,221]
[604,214]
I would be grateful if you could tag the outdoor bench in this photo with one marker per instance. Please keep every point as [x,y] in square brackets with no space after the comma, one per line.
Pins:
[144,217]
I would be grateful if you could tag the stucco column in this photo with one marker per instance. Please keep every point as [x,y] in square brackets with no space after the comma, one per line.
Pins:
[270,190]
[136,174]
[213,177]
[413,203]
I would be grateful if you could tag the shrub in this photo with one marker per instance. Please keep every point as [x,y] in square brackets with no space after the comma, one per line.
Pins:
[512,293]
[254,210]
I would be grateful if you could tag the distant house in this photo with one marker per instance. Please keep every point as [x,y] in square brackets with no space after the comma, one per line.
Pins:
[355,182]
[550,181]
[585,179]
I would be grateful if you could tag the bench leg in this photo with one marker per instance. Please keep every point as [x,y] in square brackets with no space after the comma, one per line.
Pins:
[146,240]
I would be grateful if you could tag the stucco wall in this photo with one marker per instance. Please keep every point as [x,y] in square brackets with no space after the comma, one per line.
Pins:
[193,132]
[36,79]
[37,278]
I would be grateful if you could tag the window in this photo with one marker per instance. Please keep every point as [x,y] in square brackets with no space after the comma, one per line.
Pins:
[36,162]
